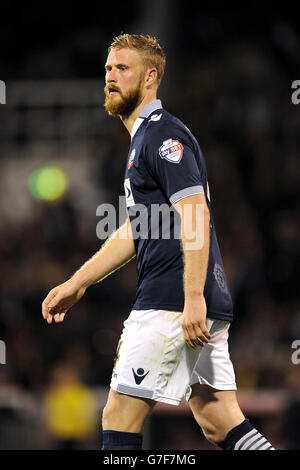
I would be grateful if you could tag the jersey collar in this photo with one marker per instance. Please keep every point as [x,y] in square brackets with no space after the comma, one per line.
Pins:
[145,113]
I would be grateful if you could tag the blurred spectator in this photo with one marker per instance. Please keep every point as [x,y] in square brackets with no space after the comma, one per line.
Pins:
[70,409]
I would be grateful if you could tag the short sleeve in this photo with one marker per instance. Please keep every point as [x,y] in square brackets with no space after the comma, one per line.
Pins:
[171,159]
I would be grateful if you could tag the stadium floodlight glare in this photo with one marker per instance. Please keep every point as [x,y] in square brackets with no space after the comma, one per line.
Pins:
[48,183]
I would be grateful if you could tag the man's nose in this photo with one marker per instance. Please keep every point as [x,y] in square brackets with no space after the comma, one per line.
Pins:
[110,76]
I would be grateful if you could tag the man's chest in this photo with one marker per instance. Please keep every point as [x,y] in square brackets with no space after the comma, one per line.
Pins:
[140,185]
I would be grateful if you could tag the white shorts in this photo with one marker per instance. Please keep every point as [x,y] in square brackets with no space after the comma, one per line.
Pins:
[153,360]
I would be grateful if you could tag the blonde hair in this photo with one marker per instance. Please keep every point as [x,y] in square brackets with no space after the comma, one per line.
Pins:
[147,46]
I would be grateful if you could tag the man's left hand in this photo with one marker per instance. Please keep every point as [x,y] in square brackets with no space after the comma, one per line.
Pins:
[193,322]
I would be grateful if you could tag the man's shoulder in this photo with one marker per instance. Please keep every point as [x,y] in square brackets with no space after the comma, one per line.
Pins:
[161,125]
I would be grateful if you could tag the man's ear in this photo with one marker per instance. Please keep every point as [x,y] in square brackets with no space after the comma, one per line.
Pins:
[151,76]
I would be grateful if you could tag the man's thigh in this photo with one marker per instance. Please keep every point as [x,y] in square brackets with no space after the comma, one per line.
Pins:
[212,394]
[125,413]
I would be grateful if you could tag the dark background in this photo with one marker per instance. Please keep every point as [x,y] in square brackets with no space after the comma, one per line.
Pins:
[229,76]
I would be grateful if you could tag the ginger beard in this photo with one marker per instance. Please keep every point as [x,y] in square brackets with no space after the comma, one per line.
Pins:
[122,104]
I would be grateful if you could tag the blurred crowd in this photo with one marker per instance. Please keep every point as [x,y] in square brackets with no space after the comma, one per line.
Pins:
[237,103]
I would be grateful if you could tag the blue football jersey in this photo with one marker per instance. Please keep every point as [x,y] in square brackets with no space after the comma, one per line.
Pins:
[165,164]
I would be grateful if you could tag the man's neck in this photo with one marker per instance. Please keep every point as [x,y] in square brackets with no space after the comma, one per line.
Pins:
[130,120]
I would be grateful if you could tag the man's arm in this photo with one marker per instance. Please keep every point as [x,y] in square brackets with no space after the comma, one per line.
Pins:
[195,238]
[115,252]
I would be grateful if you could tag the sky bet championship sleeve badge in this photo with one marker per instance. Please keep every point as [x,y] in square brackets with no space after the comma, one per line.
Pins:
[171,150]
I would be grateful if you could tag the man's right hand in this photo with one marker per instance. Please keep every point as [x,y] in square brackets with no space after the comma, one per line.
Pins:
[60,299]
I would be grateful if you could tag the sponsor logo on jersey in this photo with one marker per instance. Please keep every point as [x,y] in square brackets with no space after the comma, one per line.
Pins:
[171,150]
[139,375]
[128,193]
[155,117]
[131,159]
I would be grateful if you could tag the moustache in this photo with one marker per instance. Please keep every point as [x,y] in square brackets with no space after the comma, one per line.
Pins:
[110,88]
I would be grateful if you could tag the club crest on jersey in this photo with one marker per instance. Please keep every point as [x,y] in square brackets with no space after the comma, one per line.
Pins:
[220,277]
[171,150]
[131,159]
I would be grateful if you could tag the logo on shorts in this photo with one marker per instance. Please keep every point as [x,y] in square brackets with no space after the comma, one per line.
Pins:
[171,150]
[139,375]
[117,353]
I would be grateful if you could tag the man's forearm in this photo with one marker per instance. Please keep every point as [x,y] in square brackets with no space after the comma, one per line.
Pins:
[195,240]
[195,269]
[195,249]
[115,252]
